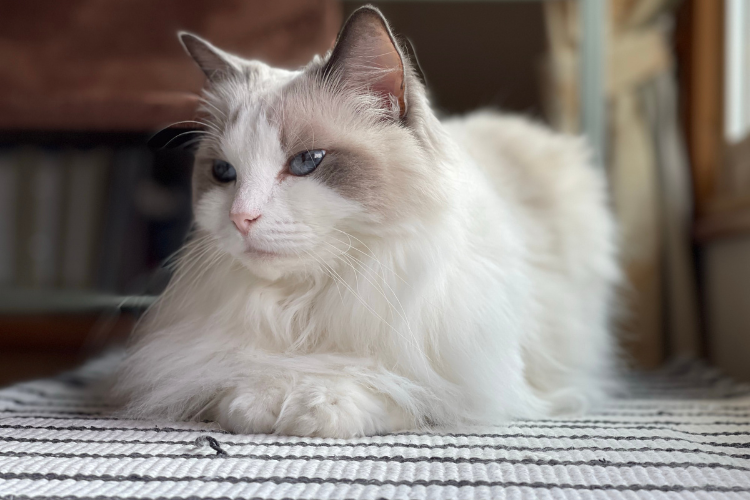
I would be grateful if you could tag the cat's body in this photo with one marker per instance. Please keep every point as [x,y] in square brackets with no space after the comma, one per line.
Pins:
[422,274]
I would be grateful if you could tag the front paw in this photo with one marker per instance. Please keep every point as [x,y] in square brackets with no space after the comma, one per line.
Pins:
[251,410]
[333,407]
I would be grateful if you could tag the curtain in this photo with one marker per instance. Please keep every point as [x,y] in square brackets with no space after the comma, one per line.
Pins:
[646,165]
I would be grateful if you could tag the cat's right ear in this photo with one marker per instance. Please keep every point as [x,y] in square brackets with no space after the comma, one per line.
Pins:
[214,62]
[367,57]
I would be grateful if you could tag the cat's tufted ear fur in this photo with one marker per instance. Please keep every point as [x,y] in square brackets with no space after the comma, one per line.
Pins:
[214,62]
[367,57]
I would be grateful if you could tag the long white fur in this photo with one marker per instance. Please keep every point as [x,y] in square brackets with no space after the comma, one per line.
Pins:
[487,297]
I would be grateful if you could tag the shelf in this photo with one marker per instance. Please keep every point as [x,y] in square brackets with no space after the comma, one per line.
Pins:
[27,302]
[147,111]
[65,322]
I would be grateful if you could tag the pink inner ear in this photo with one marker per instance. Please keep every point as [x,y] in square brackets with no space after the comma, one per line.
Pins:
[390,80]
[374,60]
[367,57]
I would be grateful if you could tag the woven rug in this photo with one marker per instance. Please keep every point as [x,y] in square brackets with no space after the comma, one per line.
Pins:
[681,433]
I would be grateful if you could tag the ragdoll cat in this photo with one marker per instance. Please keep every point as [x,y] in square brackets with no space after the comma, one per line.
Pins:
[359,267]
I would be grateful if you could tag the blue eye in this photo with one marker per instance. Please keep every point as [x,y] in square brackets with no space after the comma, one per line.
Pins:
[223,171]
[305,162]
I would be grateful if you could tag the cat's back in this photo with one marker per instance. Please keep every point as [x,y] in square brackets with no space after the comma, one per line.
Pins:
[547,182]
[545,178]
[524,159]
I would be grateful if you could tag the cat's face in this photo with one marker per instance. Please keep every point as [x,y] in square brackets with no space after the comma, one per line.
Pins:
[296,166]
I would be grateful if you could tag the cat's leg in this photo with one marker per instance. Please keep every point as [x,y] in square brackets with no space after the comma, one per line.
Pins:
[252,407]
[304,404]
[337,407]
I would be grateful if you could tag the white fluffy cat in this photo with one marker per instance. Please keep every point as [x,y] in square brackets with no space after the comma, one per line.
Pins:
[360,267]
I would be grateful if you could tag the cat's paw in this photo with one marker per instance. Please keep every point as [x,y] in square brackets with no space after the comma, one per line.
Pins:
[333,407]
[252,409]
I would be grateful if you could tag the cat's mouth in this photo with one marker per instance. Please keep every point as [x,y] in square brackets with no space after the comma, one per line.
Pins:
[256,252]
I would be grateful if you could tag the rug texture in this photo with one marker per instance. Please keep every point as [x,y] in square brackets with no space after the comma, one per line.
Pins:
[681,433]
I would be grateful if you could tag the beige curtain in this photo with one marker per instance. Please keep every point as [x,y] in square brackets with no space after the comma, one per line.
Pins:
[647,168]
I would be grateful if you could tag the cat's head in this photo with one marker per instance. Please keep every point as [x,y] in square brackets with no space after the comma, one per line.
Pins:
[294,164]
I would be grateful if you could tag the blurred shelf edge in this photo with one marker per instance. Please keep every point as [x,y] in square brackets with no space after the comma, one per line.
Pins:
[43,333]
[726,224]
[35,302]
[54,330]
[141,112]
[724,210]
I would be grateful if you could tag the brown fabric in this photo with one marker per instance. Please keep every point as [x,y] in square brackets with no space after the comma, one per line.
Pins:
[648,172]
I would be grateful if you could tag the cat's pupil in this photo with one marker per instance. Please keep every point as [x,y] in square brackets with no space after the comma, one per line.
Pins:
[305,162]
[223,171]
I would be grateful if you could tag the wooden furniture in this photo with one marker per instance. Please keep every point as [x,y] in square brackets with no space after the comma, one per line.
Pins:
[722,207]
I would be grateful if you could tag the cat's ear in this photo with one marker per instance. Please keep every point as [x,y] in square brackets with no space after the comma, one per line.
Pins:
[214,62]
[367,56]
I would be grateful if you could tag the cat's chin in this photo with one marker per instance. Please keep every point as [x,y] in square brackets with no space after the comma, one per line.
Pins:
[265,270]
[269,266]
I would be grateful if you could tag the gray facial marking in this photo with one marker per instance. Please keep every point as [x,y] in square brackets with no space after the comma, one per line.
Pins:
[348,174]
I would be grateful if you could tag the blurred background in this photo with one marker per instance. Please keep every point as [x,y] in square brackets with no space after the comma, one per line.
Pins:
[90,212]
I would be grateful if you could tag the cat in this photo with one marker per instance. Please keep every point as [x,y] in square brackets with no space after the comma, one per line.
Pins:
[359,267]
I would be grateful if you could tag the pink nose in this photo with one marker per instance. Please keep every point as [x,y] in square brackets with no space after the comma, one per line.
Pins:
[243,221]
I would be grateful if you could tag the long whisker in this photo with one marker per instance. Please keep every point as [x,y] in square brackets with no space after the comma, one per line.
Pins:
[191,262]
[329,270]
[207,266]
[325,269]
[198,122]
[193,258]
[189,143]
[360,262]
[404,316]
[186,133]
[205,101]
[379,289]
[185,257]
[363,302]
[370,255]
[190,251]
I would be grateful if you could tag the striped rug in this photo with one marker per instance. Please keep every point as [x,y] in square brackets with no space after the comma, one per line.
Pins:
[680,433]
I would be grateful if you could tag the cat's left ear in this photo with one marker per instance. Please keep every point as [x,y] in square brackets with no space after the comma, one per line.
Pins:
[367,57]
[214,62]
